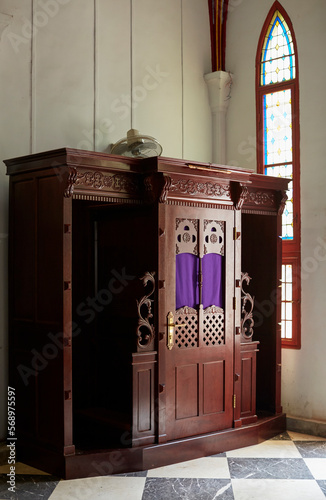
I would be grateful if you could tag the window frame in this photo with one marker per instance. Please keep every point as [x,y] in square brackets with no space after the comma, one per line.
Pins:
[291,249]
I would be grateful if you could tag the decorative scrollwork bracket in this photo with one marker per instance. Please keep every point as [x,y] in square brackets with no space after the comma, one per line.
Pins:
[145,330]
[247,321]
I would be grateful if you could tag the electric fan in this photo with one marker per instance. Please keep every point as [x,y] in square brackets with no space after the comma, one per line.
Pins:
[137,146]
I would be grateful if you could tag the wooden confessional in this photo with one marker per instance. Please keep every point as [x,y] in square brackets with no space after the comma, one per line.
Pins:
[132,286]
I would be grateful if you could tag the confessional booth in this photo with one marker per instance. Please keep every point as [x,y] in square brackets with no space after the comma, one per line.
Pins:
[139,332]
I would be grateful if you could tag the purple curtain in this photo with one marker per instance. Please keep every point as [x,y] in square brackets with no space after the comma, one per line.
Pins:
[212,280]
[186,285]
[187,290]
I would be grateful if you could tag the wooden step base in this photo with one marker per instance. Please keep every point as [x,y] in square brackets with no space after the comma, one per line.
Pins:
[123,460]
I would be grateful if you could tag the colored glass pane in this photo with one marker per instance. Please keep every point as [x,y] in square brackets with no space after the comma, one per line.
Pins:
[285,171]
[286,309]
[277,127]
[278,59]
[277,109]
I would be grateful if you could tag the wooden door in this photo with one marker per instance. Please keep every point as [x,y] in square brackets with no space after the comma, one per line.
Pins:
[199,302]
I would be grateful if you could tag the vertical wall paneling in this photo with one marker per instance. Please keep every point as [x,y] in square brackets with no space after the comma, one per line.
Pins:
[196,63]
[157,83]
[182,82]
[32,83]
[95,78]
[113,72]
[64,75]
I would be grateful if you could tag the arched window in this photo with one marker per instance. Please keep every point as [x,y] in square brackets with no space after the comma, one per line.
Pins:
[277,105]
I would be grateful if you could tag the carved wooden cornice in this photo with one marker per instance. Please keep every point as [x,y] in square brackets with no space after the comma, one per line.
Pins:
[104,177]
[165,188]
[114,182]
[194,188]
[91,182]
[246,196]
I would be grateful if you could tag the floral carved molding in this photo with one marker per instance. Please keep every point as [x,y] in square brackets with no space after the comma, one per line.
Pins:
[190,187]
[121,183]
[245,196]
[115,182]
[261,198]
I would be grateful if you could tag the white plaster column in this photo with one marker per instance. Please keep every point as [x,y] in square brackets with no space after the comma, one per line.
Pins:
[219,91]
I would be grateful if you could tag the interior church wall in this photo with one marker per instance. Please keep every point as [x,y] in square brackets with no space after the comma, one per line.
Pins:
[65,77]
[65,69]
[303,371]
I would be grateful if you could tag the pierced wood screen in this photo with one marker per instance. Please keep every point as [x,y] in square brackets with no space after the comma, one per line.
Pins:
[186,335]
[213,326]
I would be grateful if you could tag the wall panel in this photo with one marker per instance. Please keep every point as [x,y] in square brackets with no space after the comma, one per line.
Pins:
[112,72]
[197,121]
[63,76]
[157,72]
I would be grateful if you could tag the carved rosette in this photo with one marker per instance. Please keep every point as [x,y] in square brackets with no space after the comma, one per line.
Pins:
[247,321]
[145,330]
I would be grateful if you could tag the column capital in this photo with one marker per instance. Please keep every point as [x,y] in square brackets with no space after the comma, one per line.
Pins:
[219,85]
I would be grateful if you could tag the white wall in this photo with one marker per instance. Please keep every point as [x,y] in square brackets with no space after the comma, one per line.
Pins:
[303,371]
[69,85]
[65,69]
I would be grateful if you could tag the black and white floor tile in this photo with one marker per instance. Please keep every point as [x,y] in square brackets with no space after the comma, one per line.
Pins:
[291,466]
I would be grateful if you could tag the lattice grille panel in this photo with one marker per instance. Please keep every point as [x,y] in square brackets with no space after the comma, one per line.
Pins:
[186,335]
[213,331]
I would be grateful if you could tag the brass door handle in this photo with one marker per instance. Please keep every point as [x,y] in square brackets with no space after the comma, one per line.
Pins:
[171,326]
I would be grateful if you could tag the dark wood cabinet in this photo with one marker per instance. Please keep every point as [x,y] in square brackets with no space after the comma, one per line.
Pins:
[131,344]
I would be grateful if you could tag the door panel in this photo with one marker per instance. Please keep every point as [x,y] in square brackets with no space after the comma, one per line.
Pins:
[199,295]
[186,391]
[213,387]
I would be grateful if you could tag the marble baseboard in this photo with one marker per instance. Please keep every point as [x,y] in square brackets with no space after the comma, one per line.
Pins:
[306,426]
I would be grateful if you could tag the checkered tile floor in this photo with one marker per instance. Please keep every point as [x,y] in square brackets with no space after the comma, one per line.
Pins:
[289,467]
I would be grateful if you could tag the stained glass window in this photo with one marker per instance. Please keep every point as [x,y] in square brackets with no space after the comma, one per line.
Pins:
[286,312]
[278,158]
[278,134]
[278,59]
